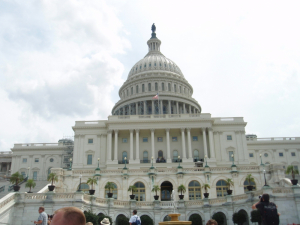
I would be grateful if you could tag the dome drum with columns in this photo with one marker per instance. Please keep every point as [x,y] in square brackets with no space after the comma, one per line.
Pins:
[156,74]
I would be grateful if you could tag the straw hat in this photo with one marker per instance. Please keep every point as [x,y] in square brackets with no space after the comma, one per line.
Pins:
[105,221]
[89,223]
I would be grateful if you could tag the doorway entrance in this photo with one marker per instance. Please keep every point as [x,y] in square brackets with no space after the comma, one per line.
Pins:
[166,191]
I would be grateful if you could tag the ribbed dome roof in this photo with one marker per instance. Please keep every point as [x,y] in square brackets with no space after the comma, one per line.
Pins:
[154,60]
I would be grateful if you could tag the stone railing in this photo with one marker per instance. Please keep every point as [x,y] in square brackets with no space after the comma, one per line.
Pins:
[119,203]
[273,139]
[6,201]
[217,201]
[282,190]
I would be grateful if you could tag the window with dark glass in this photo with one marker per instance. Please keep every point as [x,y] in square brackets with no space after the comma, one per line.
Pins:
[229,137]
[293,153]
[145,139]
[195,138]
[36,160]
[174,139]
[194,190]
[280,154]
[89,159]
[140,194]
[90,141]
[221,188]
[251,155]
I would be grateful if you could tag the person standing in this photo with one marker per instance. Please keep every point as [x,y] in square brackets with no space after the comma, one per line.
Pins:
[268,210]
[43,218]
[135,219]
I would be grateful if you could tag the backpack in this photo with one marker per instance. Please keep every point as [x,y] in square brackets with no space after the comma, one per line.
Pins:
[137,221]
[270,214]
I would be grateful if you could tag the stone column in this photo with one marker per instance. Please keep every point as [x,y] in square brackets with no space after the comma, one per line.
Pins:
[136,109]
[168,146]
[116,146]
[129,109]
[221,145]
[211,143]
[109,145]
[131,145]
[183,144]
[161,107]
[153,110]
[145,108]
[183,105]
[177,108]
[137,145]
[189,143]
[169,107]
[152,143]
[204,141]
[190,109]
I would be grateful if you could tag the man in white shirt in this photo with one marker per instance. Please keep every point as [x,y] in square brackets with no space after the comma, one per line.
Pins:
[135,219]
[43,218]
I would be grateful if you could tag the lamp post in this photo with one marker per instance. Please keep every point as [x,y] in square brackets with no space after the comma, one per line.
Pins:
[232,156]
[264,171]
[179,162]
[125,159]
[152,167]
[205,157]
[70,168]
[79,188]
[98,162]
[261,160]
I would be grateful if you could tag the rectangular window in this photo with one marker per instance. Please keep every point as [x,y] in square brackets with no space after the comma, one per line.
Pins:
[143,87]
[295,167]
[162,86]
[35,175]
[159,139]
[280,154]
[174,139]
[90,141]
[230,156]
[195,138]
[145,139]
[132,90]
[124,140]
[169,87]
[24,160]
[23,174]
[251,155]
[36,160]
[89,159]
[293,153]
[229,137]
[149,87]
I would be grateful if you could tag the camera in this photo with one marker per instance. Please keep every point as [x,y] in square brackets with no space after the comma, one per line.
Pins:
[259,197]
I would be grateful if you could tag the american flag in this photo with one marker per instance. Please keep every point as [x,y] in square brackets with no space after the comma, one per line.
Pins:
[155,97]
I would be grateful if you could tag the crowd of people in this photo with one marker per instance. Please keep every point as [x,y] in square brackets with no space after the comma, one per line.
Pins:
[74,216]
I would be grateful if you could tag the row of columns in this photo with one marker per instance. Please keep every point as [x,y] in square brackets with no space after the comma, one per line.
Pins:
[183,144]
[191,109]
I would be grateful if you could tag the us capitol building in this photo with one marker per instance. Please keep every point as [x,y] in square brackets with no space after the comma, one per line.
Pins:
[158,135]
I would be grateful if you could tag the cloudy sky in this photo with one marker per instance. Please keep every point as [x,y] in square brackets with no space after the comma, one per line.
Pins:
[62,61]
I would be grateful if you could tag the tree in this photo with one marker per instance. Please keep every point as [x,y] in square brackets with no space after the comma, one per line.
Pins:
[181,188]
[30,183]
[219,218]
[205,187]
[155,189]
[92,181]
[146,220]
[291,170]
[255,217]
[16,178]
[91,217]
[249,178]
[122,220]
[196,219]
[132,188]
[110,186]
[239,218]
[229,182]
[52,177]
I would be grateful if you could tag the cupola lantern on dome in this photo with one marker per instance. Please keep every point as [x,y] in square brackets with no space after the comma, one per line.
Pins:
[153,75]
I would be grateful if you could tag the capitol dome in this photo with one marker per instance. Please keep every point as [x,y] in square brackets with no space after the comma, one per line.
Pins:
[155,75]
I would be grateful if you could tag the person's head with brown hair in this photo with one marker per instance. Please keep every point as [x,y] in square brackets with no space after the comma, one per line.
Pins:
[212,222]
[41,209]
[68,216]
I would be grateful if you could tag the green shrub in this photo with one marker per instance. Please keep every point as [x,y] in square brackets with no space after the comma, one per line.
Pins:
[196,219]
[146,220]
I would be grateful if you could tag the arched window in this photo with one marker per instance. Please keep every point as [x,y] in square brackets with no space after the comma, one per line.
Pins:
[141,191]
[124,154]
[145,157]
[137,89]
[175,156]
[221,188]
[156,86]
[115,192]
[149,87]
[84,187]
[246,183]
[143,87]
[194,190]
[160,157]
[196,155]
